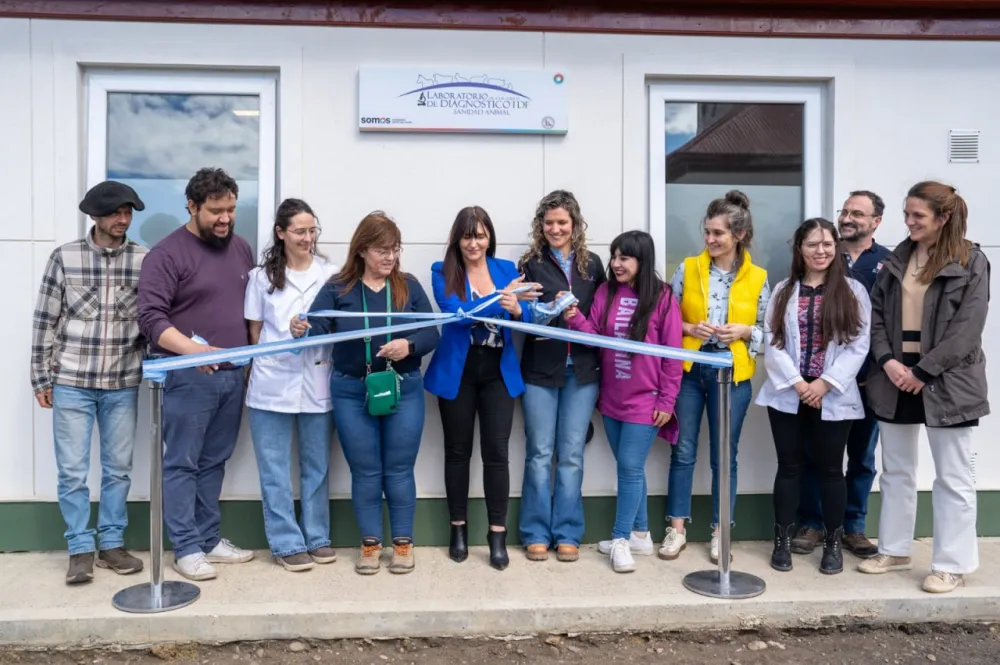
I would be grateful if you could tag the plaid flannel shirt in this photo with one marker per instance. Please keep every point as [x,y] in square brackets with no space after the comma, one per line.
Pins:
[86,333]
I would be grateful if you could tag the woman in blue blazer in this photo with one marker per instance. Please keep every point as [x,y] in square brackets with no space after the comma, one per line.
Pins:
[475,370]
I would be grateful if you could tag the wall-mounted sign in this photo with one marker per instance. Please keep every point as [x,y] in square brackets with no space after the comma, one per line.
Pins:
[481,100]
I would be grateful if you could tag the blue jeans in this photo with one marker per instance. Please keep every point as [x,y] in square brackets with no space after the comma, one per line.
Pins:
[272,445]
[630,444]
[699,390]
[74,411]
[381,451]
[555,421]
[861,444]
[201,422]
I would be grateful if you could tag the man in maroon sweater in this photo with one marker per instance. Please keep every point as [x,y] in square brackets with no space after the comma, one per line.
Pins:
[191,286]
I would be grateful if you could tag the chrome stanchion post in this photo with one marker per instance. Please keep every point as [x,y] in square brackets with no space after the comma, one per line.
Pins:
[156,595]
[724,583]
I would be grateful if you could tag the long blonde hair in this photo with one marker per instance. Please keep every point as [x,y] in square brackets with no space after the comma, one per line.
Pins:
[560,198]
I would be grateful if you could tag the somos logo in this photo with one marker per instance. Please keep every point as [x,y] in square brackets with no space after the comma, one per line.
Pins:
[376,121]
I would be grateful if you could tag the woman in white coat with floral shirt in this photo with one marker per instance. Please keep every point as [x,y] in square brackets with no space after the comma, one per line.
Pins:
[816,339]
[291,391]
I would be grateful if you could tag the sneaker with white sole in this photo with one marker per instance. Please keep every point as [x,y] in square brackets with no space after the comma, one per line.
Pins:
[884,563]
[941,582]
[195,567]
[641,544]
[621,556]
[226,552]
[713,550]
[673,544]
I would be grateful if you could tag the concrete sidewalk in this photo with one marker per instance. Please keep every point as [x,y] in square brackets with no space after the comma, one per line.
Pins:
[259,600]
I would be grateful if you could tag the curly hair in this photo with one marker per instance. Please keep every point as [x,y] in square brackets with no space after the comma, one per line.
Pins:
[560,198]
[209,183]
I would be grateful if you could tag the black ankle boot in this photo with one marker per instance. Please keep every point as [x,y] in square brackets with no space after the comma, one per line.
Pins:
[833,555]
[458,550]
[498,549]
[781,557]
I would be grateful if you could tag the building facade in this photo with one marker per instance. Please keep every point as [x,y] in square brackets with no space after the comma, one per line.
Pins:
[667,110]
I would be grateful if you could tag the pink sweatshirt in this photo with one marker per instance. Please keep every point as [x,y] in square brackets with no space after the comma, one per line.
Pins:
[632,387]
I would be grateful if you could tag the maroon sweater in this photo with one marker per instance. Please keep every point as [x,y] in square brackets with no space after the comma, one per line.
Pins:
[194,287]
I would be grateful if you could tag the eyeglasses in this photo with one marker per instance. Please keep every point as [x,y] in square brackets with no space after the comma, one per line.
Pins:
[383,253]
[302,233]
[856,215]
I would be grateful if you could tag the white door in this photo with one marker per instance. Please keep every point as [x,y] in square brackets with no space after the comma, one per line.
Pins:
[153,130]
[708,137]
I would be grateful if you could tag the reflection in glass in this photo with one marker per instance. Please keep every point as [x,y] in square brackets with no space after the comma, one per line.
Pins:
[711,148]
[156,142]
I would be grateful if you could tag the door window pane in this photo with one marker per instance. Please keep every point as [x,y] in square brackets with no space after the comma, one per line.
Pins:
[711,148]
[156,142]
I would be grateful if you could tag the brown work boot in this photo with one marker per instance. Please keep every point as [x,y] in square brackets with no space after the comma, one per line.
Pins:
[859,545]
[537,552]
[567,553]
[806,540]
[297,562]
[324,554]
[119,560]
[403,560]
[81,568]
[370,561]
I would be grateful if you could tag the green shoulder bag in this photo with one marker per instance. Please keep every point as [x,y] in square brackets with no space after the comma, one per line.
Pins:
[381,388]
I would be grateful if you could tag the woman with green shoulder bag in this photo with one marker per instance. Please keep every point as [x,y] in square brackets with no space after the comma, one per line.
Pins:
[376,387]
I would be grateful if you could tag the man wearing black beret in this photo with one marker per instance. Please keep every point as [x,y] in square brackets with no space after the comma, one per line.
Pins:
[86,365]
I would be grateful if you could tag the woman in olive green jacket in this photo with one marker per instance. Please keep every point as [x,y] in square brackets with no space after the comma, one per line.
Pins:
[929,309]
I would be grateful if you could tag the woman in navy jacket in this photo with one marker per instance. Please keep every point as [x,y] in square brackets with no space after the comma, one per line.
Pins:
[475,370]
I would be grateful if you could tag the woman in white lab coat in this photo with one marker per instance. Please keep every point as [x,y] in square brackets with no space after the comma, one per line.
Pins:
[291,391]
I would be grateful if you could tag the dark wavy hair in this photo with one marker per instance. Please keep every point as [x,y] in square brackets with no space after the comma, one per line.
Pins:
[466,223]
[648,285]
[840,311]
[209,183]
[275,261]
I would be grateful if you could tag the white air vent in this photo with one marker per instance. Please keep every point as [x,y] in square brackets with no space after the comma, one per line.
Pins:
[963,146]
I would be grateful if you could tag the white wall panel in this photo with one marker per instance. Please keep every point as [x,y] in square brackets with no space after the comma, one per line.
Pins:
[15,129]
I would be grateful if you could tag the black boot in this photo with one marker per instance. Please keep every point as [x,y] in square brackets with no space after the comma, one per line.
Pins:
[833,555]
[498,549]
[781,557]
[458,550]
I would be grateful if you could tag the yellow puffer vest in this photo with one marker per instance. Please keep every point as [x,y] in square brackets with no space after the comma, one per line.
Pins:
[743,297]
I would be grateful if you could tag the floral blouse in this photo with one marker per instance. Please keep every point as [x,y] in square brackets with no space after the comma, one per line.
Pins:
[719,284]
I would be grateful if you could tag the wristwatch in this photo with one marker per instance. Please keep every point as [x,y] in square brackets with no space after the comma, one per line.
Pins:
[410,347]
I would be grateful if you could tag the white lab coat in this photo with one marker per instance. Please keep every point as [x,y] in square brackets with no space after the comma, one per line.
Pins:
[288,382]
[840,366]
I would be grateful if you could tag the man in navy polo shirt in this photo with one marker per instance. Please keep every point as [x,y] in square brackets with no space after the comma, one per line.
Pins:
[857,221]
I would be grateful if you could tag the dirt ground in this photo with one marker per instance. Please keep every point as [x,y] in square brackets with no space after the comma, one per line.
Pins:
[893,645]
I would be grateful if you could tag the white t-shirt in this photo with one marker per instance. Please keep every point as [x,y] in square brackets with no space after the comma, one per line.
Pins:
[288,382]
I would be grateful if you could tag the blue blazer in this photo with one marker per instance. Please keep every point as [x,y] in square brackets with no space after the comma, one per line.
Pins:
[448,362]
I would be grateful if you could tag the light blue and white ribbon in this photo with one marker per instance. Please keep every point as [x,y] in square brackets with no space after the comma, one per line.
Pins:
[156,369]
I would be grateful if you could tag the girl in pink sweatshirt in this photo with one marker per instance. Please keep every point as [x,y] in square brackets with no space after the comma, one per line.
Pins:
[637,391]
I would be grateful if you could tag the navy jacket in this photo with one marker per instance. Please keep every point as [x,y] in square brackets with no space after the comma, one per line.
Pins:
[349,357]
[448,362]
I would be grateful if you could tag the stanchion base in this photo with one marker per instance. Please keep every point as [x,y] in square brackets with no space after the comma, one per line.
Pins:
[709,583]
[138,599]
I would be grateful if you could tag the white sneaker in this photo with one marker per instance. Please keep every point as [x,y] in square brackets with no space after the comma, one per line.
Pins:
[226,552]
[639,544]
[621,556]
[195,567]
[673,544]
[713,553]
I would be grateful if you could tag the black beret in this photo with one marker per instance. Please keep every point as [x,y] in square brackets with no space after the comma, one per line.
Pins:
[106,197]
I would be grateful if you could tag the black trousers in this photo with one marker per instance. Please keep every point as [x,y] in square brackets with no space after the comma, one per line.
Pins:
[481,391]
[826,441]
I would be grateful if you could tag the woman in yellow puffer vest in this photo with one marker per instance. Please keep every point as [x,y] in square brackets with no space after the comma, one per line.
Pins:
[723,298]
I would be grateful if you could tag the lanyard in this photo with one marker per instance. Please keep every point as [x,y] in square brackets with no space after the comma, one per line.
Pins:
[388,322]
